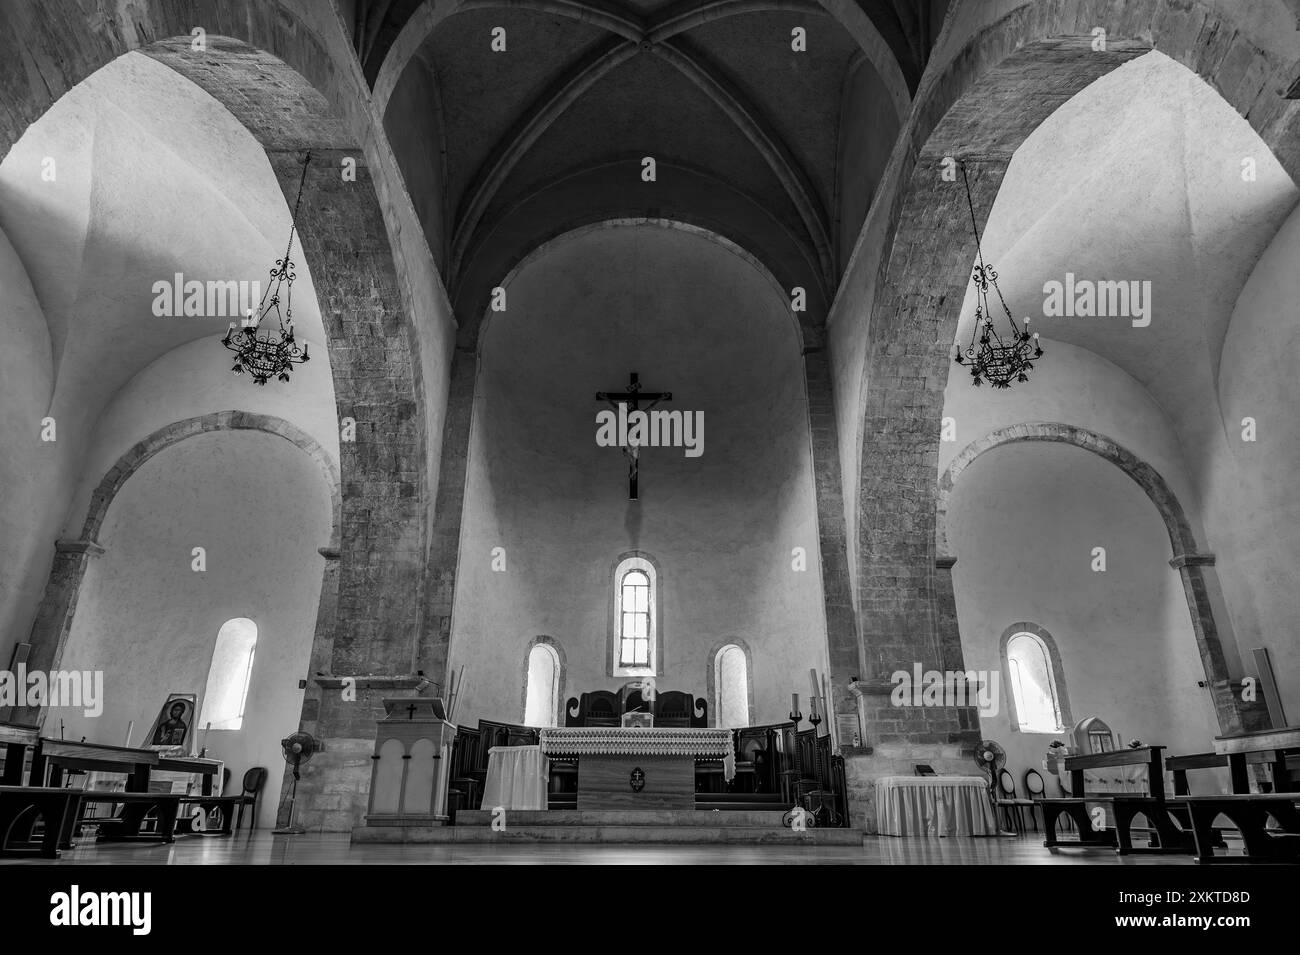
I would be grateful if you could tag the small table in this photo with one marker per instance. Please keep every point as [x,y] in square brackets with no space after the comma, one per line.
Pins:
[195,765]
[61,754]
[517,778]
[934,805]
[1279,742]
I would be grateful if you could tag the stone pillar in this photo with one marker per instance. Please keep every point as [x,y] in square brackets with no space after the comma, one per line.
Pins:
[444,539]
[1197,572]
[842,647]
[322,652]
[375,613]
[57,609]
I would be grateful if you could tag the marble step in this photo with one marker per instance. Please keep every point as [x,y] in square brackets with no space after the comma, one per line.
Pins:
[745,818]
[609,835]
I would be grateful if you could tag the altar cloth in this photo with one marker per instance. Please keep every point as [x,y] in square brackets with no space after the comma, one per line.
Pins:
[517,778]
[934,805]
[699,742]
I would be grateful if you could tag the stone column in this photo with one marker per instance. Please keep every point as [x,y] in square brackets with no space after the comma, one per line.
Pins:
[842,648]
[57,608]
[1197,572]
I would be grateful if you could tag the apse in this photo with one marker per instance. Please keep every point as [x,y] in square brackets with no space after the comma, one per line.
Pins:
[727,539]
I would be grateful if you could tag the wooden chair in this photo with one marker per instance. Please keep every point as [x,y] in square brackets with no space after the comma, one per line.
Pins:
[809,776]
[1011,805]
[253,782]
[597,708]
[463,788]
[674,708]
[1035,789]
[755,759]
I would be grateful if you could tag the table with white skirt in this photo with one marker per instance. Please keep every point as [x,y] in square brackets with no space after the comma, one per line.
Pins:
[517,778]
[934,805]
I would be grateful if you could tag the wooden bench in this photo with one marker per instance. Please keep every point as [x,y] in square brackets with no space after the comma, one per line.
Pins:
[21,806]
[1273,745]
[1167,836]
[223,806]
[1250,813]
[128,826]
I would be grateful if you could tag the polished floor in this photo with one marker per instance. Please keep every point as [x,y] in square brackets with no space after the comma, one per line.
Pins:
[262,848]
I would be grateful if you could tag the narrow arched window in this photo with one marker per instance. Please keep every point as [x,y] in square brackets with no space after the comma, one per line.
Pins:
[541,700]
[731,686]
[634,630]
[1034,684]
[230,674]
[634,637]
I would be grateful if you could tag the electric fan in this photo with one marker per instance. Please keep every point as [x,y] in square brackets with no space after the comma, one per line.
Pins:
[297,749]
[990,757]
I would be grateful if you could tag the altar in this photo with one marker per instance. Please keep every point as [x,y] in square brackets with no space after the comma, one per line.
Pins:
[638,767]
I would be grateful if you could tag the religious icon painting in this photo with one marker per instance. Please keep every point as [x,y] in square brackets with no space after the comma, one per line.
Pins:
[174,722]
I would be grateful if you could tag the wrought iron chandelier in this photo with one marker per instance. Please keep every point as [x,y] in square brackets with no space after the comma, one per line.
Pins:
[263,352]
[996,358]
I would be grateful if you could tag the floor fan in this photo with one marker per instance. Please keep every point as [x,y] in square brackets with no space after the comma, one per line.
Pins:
[990,757]
[296,749]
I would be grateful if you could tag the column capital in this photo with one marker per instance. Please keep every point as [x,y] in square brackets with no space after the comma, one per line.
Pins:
[1179,561]
[88,547]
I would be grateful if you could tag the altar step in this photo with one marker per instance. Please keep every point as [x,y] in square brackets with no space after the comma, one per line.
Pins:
[727,802]
[657,827]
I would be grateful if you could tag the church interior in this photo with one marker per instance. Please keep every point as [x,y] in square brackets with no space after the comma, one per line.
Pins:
[851,431]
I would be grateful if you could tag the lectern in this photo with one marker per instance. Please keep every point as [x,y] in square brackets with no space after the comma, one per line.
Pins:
[412,759]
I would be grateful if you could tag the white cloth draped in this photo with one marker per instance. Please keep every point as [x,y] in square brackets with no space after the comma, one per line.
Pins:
[517,778]
[700,742]
[934,805]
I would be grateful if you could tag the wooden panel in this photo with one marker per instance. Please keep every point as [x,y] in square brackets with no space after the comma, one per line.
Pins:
[604,782]
[1286,738]
[1140,755]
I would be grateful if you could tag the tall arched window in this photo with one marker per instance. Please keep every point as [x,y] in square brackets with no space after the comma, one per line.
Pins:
[229,676]
[731,687]
[542,697]
[1035,685]
[634,631]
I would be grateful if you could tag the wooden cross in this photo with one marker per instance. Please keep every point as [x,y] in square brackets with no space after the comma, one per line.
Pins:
[410,711]
[632,398]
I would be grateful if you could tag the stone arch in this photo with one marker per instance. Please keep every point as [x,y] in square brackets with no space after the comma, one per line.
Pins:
[809,337]
[556,648]
[1181,538]
[274,73]
[1029,63]
[1187,558]
[478,328]
[59,602]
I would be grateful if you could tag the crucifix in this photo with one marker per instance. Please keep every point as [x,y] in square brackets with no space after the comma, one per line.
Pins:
[632,398]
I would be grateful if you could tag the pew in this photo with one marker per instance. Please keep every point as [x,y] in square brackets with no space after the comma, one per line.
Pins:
[1250,813]
[129,825]
[223,807]
[1167,836]
[22,806]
